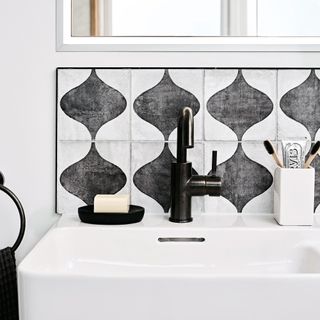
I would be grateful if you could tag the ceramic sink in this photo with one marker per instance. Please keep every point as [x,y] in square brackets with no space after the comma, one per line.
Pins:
[217,267]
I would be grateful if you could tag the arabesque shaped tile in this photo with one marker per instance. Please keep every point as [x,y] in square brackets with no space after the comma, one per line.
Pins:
[119,79]
[215,81]
[240,106]
[151,173]
[191,80]
[289,80]
[302,104]
[160,106]
[94,173]
[243,179]
[93,103]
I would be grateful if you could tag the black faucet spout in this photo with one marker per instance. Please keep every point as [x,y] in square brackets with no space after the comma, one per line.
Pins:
[184,185]
[185,134]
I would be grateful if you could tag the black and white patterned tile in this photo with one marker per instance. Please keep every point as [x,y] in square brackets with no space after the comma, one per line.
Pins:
[86,168]
[67,127]
[246,172]
[241,104]
[299,101]
[117,132]
[217,80]
[148,191]
[93,104]
[68,153]
[158,95]
[120,80]
[225,150]
[191,80]
[151,167]
[299,111]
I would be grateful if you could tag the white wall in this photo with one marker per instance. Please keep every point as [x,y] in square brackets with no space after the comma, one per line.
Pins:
[27,104]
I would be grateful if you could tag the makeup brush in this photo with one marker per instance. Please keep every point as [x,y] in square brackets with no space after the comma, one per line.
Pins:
[313,154]
[270,149]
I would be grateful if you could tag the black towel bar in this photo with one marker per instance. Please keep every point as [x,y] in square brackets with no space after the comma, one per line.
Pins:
[20,209]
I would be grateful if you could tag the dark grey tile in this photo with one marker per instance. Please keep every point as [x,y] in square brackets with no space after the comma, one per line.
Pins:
[93,103]
[302,103]
[151,173]
[160,104]
[246,171]
[240,105]
[86,169]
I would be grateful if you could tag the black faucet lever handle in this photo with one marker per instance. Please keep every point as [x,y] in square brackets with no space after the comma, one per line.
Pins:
[214,162]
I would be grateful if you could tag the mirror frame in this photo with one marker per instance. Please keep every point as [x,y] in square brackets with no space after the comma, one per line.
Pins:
[65,42]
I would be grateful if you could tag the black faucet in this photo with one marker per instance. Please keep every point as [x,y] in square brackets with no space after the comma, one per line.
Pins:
[184,185]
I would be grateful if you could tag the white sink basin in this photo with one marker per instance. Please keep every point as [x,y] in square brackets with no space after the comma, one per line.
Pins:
[226,267]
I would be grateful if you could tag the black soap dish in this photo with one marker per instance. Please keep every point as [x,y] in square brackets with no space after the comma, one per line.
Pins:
[134,215]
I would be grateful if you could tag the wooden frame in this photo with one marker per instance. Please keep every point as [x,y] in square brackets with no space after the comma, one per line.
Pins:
[94,18]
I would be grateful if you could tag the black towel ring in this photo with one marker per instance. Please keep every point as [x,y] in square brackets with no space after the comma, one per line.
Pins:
[20,209]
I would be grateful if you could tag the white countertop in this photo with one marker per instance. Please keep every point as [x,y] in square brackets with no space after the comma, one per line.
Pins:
[257,220]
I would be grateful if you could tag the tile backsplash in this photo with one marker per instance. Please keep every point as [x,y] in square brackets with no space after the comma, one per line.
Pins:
[116,132]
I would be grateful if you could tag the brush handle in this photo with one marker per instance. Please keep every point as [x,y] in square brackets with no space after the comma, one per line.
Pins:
[309,160]
[315,150]
[277,160]
[271,150]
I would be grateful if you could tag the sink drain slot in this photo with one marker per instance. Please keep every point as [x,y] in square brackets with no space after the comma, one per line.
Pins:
[181,239]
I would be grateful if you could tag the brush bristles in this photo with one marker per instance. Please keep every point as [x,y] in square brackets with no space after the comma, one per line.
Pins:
[315,148]
[268,146]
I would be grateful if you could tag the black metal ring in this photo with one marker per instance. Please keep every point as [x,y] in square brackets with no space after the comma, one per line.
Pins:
[20,209]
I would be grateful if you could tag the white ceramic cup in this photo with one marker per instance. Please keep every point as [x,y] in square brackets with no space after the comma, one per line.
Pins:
[294,196]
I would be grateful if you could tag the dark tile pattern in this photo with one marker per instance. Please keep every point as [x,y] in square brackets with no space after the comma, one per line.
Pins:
[161,104]
[92,175]
[302,103]
[243,179]
[154,178]
[93,103]
[239,106]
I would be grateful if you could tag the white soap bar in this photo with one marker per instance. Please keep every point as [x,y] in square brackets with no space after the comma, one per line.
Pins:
[111,203]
